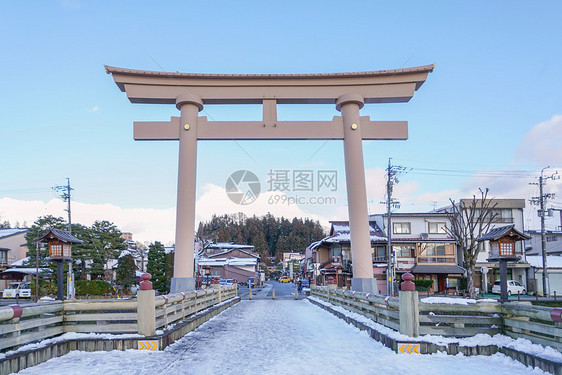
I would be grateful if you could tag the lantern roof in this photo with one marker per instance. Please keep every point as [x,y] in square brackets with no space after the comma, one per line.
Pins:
[59,234]
[506,231]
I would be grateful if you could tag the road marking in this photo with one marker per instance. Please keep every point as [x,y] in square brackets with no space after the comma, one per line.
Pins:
[151,345]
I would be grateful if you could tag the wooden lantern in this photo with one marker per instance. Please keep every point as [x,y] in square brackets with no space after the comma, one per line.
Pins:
[60,243]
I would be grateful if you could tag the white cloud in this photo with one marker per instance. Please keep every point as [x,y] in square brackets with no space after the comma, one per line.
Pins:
[145,224]
[93,109]
[541,144]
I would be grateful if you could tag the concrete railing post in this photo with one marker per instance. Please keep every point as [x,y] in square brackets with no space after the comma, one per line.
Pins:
[215,284]
[332,283]
[146,309]
[409,308]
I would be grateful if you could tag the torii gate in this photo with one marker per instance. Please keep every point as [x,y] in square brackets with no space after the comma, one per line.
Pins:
[348,91]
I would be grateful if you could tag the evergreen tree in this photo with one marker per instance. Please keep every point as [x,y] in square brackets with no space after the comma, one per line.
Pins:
[269,235]
[106,244]
[126,271]
[157,267]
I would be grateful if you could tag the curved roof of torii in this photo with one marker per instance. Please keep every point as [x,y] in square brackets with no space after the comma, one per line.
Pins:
[381,86]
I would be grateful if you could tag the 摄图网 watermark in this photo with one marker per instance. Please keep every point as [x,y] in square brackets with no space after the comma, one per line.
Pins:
[292,186]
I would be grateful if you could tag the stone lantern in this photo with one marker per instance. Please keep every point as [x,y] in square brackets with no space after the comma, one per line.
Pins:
[502,250]
[60,250]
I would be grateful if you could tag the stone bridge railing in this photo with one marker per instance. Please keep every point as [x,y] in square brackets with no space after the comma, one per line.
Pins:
[23,324]
[409,316]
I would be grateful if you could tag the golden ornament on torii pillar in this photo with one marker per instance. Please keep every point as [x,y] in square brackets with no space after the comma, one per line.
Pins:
[347,91]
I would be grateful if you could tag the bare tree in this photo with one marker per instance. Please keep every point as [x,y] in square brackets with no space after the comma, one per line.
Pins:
[470,219]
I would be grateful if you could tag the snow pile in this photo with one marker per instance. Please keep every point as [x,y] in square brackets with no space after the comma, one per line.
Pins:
[482,339]
[455,301]
[70,336]
[448,301]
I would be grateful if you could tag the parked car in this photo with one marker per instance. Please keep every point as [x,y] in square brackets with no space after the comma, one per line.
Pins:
[285,279]
[17,290]
[513,287]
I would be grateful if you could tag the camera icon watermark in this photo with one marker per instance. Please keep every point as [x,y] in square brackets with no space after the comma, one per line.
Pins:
[243,187]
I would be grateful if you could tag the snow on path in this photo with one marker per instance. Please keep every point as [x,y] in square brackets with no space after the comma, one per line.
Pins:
[275,337]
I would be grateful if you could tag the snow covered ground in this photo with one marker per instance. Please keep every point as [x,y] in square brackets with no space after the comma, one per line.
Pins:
[276,337]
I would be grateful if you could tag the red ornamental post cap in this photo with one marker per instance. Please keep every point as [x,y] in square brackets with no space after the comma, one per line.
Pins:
[18,311]
[331,280]
[145,283]
[556,315]
[407,284]
[215,280]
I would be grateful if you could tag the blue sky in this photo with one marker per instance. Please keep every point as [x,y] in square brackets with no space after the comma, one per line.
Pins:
[492,104]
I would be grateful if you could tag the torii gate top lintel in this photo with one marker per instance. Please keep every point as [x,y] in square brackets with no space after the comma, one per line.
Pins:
[382,86]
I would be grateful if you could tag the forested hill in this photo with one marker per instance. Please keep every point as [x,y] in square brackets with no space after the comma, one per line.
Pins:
[270,235]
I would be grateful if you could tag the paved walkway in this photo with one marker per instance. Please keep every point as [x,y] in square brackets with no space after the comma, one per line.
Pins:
[275,337]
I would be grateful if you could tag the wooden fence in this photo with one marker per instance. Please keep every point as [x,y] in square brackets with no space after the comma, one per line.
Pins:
[20,325]
[540,325]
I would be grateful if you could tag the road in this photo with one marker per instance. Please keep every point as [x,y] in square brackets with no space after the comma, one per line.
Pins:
[283,291]
[265,336]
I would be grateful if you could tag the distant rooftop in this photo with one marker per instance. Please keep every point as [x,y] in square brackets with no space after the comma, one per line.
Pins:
[7,232]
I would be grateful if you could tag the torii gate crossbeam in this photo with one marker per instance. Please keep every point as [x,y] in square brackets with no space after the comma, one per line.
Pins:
[348,91]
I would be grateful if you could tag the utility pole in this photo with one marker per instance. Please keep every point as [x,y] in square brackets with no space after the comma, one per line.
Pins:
[541,201]
[392,171]
[64,194]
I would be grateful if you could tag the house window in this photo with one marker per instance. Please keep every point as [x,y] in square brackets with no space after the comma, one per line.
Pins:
[401,228]
[437,228]
[403,251]
[378,253]
[216,273]
[551,238]
[335,252]
[3,257]
[502,216]
[436,253]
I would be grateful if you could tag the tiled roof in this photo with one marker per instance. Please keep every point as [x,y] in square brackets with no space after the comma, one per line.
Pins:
[61,235]
[499,232]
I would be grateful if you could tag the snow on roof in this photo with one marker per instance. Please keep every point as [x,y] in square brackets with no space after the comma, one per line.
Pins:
[20,263]
[25,271]
[340,232]
[124,253]
[454,301]
[221,262]
[230,250]
[229,245]
[11,231]
[552,261]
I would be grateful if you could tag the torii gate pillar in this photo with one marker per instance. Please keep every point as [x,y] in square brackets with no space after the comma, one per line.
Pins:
[362,280]
[183,279]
